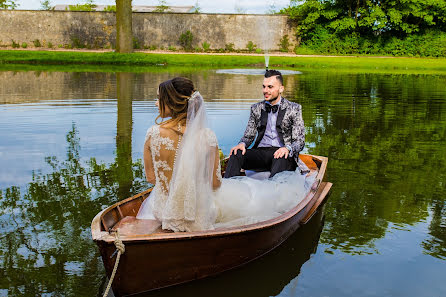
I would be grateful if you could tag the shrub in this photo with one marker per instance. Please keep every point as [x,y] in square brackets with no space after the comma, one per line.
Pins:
[284,44]
[89,6]
[162,6]
[206,46]
[304,50]
[50,44]
[37,43]
[172,48]
[229,47]
[153,47]
[24,45]
[15,44]
[186,40]
[251,46]
[259,50]
[110,8]
[136,44]
[76,42]
[198,49]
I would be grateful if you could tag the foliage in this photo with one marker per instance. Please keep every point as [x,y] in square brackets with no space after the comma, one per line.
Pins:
[186,40]
[229,47]
[76,42]
[14,44]
[430,44]
[136,43]
[368,17]
[46,5]
[24,45]
[110,8]
[88,6]
[172,48]
[284,44]
[251,46]
[37,43]
[206,46]
[367,26]
[8,4]
[50,45]
[162,6]
[196,8]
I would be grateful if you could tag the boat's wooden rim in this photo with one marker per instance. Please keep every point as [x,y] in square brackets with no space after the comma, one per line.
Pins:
[105,236]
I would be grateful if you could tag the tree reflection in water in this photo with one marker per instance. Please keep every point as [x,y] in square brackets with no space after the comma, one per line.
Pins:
[386,142]
[45,240]
[45,236]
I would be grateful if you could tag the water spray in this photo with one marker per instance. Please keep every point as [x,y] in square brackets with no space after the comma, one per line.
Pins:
[266,60]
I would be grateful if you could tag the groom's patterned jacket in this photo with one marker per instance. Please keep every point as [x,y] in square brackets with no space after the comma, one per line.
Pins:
[289,126]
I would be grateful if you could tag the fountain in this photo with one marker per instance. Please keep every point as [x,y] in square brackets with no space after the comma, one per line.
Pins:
[266,31]
[266,59]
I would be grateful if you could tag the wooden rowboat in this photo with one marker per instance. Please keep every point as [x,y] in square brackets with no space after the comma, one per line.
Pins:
[156,258]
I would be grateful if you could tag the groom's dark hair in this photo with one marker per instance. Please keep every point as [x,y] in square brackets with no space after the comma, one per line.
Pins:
[275,73]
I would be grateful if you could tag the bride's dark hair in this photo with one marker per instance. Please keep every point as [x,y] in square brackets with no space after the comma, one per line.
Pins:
[174,94]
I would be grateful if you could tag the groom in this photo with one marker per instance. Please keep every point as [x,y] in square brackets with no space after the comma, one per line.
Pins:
[280,132]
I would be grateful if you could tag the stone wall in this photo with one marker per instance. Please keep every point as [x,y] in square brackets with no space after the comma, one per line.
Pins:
[97,29]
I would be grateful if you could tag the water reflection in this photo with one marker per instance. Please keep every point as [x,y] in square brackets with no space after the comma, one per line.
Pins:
[266,276]
[70,144]
[125,84]
[45,240]
[386,140]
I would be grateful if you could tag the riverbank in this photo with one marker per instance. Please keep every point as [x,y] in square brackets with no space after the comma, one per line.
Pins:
[20,59]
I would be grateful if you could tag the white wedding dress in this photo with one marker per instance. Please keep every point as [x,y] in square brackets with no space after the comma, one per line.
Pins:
[187,169]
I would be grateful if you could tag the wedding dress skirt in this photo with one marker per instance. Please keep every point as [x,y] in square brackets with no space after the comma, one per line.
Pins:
[242,200]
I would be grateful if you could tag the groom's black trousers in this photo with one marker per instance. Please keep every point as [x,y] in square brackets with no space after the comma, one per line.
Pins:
[258,159]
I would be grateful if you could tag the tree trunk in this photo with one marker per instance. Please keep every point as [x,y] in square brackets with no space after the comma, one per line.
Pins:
[124,34]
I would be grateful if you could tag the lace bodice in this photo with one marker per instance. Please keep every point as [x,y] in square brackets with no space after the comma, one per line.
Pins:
[160,153]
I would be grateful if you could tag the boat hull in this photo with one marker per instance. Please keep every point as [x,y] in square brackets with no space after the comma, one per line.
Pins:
[161,260]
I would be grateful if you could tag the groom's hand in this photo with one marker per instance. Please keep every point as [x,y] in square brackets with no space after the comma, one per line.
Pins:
[283,151]
[240,146]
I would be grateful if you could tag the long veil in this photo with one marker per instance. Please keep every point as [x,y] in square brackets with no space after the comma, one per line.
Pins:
[189,205]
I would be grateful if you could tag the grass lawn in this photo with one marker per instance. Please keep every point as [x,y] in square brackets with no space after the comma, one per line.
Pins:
[136,62]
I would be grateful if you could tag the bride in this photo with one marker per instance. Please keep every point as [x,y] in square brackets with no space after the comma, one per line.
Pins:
[181,159]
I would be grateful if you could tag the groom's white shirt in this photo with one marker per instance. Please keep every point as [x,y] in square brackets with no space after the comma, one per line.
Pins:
[271,137]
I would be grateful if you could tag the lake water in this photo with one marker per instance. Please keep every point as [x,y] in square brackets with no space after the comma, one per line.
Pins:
[70,145]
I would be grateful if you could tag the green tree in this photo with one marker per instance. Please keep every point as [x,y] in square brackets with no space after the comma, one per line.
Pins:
[197,8]
[368,17]
[89,5]
[162,6]
[8,4]
[46,5]
[398,27]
